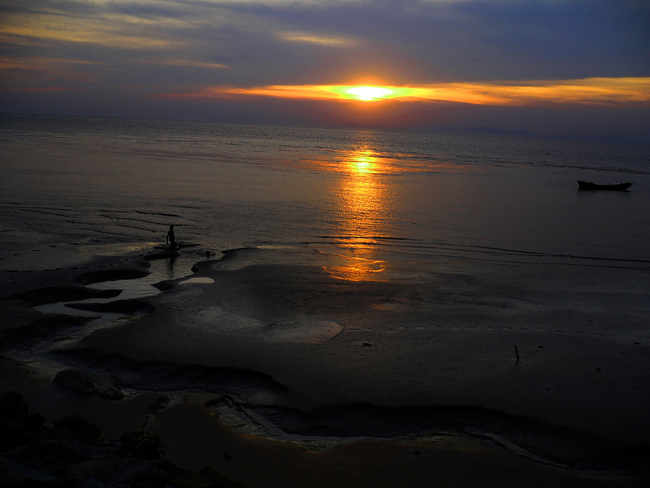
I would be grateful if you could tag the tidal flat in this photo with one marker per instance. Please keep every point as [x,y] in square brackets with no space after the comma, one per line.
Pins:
[276,371]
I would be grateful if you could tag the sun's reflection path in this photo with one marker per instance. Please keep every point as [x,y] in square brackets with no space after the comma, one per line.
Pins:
[364,202]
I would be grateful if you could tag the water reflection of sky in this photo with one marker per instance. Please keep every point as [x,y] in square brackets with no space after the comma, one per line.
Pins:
[364,198]
[364,203]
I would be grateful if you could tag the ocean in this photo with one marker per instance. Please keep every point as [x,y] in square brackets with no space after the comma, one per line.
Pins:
[384,196]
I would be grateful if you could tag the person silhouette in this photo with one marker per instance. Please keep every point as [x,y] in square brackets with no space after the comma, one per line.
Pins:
[171,238]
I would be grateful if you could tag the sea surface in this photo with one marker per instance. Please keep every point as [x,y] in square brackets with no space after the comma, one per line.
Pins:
[410,198]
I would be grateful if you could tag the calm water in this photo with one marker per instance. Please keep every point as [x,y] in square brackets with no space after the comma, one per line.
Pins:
[380,196]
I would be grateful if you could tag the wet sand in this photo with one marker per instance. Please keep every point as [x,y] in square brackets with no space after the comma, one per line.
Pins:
[279,374]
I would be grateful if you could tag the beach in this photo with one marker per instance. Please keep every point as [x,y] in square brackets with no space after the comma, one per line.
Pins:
[288,375]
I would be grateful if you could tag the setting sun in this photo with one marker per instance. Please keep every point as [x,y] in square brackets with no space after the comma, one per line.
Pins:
[368,93]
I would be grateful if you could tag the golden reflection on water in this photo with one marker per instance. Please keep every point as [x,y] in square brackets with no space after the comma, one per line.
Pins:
[364,202]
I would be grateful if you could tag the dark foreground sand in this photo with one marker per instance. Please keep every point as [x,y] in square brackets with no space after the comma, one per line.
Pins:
[282,375]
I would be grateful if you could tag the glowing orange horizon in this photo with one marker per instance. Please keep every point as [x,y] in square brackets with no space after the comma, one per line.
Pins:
[589,91]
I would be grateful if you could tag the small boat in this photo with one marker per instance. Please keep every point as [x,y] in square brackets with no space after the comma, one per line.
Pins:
[588,185]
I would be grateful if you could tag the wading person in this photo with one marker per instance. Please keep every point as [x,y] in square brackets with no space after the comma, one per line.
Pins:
[171,238]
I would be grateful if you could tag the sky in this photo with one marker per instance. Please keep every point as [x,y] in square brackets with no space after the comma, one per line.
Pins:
[552,67]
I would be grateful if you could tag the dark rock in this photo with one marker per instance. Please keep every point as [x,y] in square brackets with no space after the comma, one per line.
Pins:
[75,427]
[12,433]
[87,451]
[143,445]
[17,425]
[34,421]
[13,405]
[50,455]
[102,385]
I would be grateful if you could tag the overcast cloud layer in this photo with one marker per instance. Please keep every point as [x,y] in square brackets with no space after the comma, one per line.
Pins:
[150,58]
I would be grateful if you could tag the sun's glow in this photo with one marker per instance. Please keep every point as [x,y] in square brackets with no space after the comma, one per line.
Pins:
[368,93]
[590,91]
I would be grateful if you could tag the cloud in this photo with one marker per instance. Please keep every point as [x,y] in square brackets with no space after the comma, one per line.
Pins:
[577,52]
[42,63]
[184,62]
[315,38]
[46,73]
[124,32]
[407,41]
[592,91]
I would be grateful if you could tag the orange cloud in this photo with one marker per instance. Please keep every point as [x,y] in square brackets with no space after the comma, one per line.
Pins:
[590,91]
